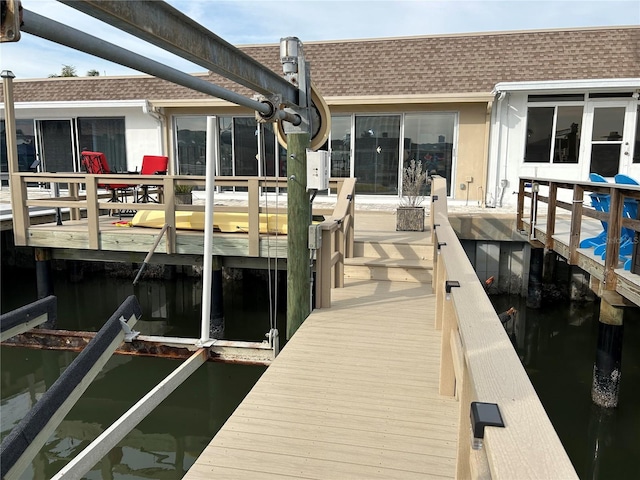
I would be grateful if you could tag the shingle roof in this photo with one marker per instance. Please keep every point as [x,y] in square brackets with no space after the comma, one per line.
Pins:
[446,64]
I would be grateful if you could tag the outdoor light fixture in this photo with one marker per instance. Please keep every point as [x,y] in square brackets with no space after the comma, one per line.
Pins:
[448,285]
[434,198]
[483,415]
[535,187]
[441,244]
[289,55]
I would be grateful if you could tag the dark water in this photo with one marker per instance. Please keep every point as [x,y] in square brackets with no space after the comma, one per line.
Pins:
[168,441]
[557,346]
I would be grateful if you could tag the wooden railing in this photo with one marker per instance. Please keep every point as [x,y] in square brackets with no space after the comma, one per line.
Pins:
[337,229]
[530,187]
[479,364]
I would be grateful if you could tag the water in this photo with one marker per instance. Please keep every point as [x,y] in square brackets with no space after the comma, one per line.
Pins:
[166,443]
[557,346]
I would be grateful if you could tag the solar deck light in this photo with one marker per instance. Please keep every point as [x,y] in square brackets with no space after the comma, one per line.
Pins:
[441,244]
[483,415]
[448,285]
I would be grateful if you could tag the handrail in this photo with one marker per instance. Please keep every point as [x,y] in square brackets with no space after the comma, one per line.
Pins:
[337,229]
[479,363]
[578,190]
[337,244]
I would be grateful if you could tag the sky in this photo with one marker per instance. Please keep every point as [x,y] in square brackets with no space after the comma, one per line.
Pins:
[245,22]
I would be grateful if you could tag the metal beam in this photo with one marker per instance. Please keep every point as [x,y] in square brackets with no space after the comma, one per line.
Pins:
[162,25]
[109,439]
[64,35]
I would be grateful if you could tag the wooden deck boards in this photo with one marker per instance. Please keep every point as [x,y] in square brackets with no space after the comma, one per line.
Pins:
[354,394]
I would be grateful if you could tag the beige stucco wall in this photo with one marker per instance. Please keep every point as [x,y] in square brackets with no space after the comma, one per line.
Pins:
[471,146]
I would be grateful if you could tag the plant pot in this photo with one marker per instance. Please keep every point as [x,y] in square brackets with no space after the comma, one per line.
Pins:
[183,199]
[410,219]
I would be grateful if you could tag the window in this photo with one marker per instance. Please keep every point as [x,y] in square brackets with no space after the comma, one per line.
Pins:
[191,135]
[553,134]
[428,137]
[377,146]
[26,144]
[341,146]
[106,135]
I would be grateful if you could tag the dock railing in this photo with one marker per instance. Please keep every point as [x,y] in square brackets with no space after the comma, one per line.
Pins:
[479,364]
[91,201]
[552,192]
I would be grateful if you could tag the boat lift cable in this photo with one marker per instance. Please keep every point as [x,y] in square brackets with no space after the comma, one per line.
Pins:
[272,335]
[48,29]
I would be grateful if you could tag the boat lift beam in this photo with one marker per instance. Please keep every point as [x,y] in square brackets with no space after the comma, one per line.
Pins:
[166,27]
[19,448]
[62,34]
[101,446]
[26,318]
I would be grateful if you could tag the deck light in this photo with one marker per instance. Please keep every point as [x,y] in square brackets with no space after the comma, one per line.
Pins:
[483,415]
[448,285]
[441,244]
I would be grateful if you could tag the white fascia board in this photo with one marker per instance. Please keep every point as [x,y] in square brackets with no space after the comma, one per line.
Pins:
[606,84]
[82,104]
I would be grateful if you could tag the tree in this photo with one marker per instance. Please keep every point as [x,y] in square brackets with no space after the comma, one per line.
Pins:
[93,73]
[67,71]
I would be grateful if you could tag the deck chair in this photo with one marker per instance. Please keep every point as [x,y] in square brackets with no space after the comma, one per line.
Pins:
[152,165]
[599,202]
[96,163]
[627,235]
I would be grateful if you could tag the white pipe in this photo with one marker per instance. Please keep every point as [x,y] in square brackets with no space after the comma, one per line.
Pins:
[207,262]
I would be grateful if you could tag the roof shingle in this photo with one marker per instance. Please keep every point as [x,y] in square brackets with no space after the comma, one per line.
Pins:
[448,64]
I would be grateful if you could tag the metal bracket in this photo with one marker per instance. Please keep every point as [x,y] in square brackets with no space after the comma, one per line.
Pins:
[274,341]
[129,335]
[274,102]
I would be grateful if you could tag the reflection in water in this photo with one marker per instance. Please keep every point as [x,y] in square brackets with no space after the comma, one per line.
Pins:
[557,346]
[167,442]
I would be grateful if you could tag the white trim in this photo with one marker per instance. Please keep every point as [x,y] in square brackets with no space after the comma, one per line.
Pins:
[607,84]
[83,104]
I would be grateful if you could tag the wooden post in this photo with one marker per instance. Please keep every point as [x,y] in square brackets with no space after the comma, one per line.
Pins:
[298,216]
[534,290]
[216,314]
[44,277]
[607,367]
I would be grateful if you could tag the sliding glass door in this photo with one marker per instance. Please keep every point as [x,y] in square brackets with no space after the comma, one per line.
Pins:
[376,154]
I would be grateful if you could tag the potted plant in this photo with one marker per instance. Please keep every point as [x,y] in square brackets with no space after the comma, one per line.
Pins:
[183,194]
[410,212]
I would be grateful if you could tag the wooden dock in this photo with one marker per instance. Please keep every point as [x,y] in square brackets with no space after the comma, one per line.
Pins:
[354,394]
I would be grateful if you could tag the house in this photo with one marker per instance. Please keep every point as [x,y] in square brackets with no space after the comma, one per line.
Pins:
[479,109]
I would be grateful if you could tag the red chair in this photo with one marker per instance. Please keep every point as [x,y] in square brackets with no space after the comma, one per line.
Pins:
[152,165]
[96,163]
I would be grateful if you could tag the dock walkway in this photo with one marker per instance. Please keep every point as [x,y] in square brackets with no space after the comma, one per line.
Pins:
[354,394]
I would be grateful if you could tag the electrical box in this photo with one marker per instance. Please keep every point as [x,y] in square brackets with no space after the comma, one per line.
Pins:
[315,237]
[318,170]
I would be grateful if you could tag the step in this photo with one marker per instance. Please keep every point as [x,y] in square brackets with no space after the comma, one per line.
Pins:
[375,249]
[392,269]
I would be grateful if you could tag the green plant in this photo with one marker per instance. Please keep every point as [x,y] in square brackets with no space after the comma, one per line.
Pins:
[414,182]
[183,189]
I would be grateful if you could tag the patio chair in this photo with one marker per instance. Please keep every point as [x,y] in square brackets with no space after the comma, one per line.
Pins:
[96,163]
[627,235]
[152,165]
[599,202]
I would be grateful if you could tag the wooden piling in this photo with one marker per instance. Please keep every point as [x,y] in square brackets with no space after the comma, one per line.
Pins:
[216,313]
[298,213]
[607,369]
[534,289]
[44,276]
